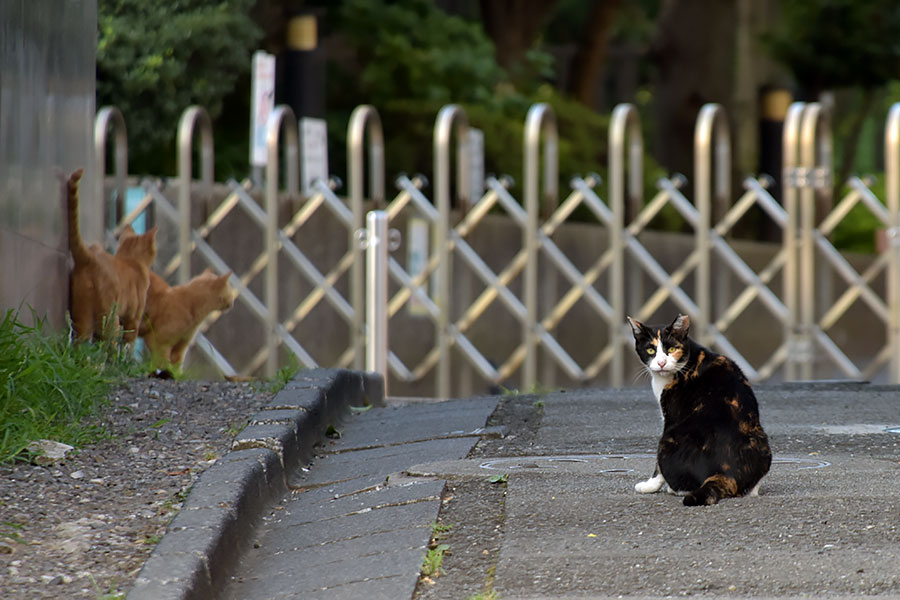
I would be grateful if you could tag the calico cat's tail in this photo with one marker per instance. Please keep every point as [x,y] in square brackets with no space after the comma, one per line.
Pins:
[713,489]
[76,245]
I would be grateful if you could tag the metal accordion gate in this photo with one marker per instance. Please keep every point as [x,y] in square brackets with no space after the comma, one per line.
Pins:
[504,294]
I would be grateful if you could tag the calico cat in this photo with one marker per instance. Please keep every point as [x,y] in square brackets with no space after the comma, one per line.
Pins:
[712,445]
[173,314]
[107,291]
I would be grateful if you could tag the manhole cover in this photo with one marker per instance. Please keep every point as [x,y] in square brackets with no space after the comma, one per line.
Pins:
[612,463]
[801,463]
[608,462]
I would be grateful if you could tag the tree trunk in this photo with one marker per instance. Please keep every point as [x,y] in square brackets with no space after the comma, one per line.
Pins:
[513,25]
[587,65]
[694,55]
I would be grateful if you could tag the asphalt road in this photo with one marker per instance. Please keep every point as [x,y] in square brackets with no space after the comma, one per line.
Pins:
[549,510]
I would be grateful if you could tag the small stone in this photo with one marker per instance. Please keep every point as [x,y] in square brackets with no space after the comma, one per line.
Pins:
[7,547]
[52,579]
[48,452]
[77,474]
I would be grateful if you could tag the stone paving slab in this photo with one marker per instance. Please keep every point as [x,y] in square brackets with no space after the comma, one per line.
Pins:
[355,526]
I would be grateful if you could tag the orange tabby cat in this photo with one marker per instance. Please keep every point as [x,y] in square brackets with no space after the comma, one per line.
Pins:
[173,314]
[108,291]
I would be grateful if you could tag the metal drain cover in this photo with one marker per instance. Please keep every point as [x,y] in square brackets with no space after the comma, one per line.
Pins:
[588,464]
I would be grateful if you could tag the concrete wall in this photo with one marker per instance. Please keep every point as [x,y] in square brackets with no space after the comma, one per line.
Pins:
[47,87]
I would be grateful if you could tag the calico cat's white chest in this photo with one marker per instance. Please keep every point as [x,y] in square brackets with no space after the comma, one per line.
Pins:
[658,382]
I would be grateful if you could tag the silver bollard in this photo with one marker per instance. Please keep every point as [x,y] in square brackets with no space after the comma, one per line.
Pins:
[377,247]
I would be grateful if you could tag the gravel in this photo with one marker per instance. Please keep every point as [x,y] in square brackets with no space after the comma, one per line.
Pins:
[82,528]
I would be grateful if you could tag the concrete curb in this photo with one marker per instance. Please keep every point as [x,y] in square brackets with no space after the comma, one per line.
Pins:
[208,535]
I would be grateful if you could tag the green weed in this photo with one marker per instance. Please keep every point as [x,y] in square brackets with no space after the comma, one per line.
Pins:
[431,566]
[281,378]
[491,595]
[440,530]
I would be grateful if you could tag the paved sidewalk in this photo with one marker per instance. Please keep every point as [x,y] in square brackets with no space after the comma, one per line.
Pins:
[355,526]
[356,520]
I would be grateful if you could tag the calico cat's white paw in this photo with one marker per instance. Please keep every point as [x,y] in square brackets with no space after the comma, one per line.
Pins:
[651,486]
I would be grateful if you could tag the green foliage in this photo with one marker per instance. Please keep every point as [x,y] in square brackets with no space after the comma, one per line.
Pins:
[419,59]
[50,387]
[154,59]
[418,51]
[837,43]
[857,231]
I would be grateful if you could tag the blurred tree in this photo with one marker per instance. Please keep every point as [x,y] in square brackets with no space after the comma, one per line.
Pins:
[590,56]
[690,70]
[418,51]
[514,26]
[154,59]
[830,44]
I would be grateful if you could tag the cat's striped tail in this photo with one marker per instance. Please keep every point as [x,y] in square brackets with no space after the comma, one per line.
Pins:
[713,489]
[76,245]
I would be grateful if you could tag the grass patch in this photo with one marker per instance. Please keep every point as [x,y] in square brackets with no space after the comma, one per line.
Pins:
[51,387]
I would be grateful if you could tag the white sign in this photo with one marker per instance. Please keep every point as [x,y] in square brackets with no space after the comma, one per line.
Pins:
[314,153]
[417,259]
[262,102]
[476,165]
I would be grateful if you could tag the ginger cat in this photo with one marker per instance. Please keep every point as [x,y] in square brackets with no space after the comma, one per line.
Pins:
[173,314]
[108,291]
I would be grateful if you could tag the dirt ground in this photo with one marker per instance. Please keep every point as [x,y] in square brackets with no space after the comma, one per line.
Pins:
[83,528]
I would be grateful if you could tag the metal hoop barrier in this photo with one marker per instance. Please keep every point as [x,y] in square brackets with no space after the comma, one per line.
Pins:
[710,136]
[110,116]
[624,128]
[892,184]
[364,120]
[280,119]
[791,241]
[540,120]
[451,119]
[816,170]
[192,118]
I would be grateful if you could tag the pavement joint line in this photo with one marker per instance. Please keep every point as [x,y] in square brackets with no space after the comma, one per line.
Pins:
[485,433]
[248,487]
[361,536]
[368,509]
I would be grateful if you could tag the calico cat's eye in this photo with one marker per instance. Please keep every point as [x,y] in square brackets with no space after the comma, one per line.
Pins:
[651,351]
[671,349]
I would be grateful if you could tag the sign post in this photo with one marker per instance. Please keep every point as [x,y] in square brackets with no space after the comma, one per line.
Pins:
[262,103]
[313,153]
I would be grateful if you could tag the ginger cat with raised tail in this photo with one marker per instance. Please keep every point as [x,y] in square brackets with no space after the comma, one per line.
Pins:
[173,314]
[108,292]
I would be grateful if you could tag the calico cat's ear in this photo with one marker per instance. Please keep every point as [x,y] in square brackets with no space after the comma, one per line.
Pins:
[680,326]
[637,328]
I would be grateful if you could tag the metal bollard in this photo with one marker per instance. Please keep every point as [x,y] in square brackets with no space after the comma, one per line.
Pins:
[377,246]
